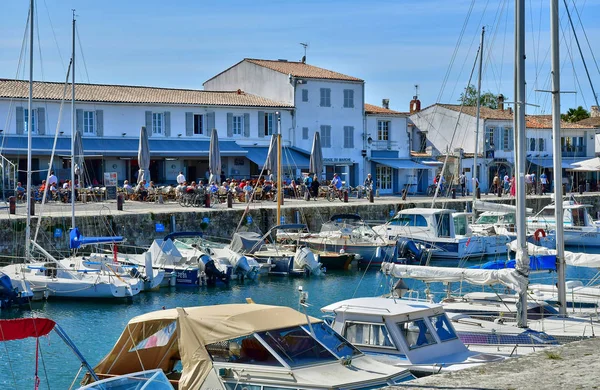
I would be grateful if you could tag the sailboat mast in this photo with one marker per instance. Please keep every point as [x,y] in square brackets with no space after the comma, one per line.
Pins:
[557,158]
[474,173]
[522,258]
[279,189]
[29,130]
[73,128]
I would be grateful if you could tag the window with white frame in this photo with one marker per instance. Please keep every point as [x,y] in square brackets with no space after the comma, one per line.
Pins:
[383,177]
[238,124]
[490,137]
[198,124]
[326,136]
[269,123]
[383,130]
[305,133]
[89,122]
[541,144]
[348,98]
[348,136]
[305,95]
[33,121]
[325,97]
[157,123]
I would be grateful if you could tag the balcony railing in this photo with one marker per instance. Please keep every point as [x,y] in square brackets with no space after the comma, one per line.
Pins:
[384,145]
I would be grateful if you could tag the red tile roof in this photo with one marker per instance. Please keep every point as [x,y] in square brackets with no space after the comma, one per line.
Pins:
[299,69]
[19,89]
[372,109]
[545,122]
[590,122]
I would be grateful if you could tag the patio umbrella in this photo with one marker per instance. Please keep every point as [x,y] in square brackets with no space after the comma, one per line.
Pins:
[271,163]
[214,157]
[144,156]
[316,156]
[78,156]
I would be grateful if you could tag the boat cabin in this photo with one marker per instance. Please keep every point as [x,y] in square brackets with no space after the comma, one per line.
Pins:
[413,334]
[434,223]
[575,215]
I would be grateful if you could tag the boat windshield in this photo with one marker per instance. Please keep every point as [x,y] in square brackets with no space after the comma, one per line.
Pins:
[408,220]
[442,327]
[243,350]
[461,226]
[416,333]
[443,224]
[487,219]
[333,341]
[297,347]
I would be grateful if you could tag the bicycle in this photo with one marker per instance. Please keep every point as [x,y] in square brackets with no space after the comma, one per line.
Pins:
[333,193]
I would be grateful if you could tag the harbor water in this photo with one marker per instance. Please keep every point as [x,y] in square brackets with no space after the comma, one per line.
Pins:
[95,326]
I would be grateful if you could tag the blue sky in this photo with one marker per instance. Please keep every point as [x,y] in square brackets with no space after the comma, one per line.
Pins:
[392,45]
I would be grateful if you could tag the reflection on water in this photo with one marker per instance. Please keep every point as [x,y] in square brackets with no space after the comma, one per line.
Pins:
[95,326]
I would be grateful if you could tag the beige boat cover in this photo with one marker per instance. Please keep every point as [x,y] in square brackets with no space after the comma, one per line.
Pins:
[196,328]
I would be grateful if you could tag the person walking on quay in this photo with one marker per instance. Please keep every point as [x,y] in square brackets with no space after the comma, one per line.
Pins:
[528,183]
[533,182]
[314,187]
[496,184]
[462,180]
[543,182]
[513,186]
[180,178]
[506,184]
[52,179]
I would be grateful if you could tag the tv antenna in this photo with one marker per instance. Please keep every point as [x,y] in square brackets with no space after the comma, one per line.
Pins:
[305,45]
[416,90]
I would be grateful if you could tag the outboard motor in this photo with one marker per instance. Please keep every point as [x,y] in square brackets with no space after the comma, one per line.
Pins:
[8,295]
[410,250]
[305,259]
[213,274]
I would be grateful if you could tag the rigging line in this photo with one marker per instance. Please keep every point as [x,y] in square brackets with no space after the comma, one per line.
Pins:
[570,55]
[580,52]
[585,35]
[455,53]
[535,59]
[62,61]
[490,55]
[82,56]
[437,188]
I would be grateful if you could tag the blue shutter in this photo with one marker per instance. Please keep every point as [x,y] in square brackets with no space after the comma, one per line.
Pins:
[305,133]
[351,98]
[41,121]
[79,120]
[210,122]
[246,125]
[149,123]
[100,123]
[351,131]
[189,124]
[229,125]
[20,116]
[261,124]
[167,119]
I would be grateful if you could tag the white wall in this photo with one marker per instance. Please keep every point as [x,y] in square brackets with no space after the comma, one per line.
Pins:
[398,132]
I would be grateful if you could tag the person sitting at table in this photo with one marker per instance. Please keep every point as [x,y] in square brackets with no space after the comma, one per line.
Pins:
[141,190]
[213,187]
[127,187]
[20,191]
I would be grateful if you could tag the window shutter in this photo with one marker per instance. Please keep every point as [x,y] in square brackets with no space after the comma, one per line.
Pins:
[261,124]
[352,100]
[20,120]
[79,120]
[497,138]
[189,124]
[210,123]
[351,136]
[149,123]
[41,121]
[167,117]
[305,133]
[246,125]
[100,123]
[229,124]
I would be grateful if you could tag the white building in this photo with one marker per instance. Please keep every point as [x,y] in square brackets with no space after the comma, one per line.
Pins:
[110,117]
[325,101]
[443,129]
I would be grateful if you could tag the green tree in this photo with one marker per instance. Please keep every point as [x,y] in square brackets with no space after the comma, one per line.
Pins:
[575,114]
[487,99]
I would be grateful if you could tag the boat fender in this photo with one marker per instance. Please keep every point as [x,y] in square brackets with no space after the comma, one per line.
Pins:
[539,234]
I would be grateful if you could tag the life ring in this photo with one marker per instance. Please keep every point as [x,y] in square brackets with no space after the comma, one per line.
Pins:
[538,234]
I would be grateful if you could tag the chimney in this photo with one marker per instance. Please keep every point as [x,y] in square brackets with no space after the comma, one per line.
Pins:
[501,102]
[415,105]
[594,112]
[385,103]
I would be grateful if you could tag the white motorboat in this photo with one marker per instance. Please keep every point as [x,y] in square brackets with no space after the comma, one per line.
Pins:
[409,334]
[244,346]
[579,227]
[445,232]
[348,233]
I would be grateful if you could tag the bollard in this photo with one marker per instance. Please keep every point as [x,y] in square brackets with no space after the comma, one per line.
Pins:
[478,193]
[120,202]
[345,196]
[587,186]
[207,199]
[404,194]
[499,191]
[564,189]
[229,200]
[453,191]
[12,204]
[32,206]
[581,189]
[371,199]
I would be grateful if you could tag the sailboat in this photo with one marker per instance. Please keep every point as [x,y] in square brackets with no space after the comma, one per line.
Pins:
[53,275]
